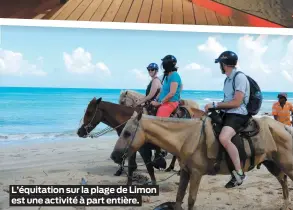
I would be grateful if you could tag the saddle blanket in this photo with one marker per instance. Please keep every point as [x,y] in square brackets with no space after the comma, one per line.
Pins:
[263,142]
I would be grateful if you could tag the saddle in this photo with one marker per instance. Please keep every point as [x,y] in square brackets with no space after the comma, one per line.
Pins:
[179,112]
[248,130]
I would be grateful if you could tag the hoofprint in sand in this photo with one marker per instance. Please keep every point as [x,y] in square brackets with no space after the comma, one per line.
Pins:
[61,163]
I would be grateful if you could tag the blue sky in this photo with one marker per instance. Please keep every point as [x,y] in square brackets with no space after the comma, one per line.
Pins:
[108,58]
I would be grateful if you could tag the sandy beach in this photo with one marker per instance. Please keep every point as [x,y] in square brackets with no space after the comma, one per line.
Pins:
[278,11]
[67,162]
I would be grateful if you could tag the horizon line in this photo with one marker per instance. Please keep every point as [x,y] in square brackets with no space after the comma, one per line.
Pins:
[89,88]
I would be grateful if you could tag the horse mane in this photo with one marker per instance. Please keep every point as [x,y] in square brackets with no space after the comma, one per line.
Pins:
[122,95]
[130,93]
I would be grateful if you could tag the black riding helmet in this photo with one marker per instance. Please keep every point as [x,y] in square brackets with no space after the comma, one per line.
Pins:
[228,58]
[169,63]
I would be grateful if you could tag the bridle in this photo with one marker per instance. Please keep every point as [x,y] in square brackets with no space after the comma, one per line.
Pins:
[124,156]
[90,125]
[102,132]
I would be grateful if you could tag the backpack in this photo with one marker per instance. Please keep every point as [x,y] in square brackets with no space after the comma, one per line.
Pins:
[255,98]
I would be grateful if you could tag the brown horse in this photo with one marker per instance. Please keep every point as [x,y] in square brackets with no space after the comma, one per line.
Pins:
[115,116]
[194,143]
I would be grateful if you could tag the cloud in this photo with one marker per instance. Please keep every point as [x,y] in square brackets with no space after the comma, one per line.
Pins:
[193,66]
[212,46]
[80,62]
[140,76]
[13,63]
[251,51]
[287,62]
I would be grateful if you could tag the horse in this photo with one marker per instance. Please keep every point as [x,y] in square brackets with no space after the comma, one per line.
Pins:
[115,116]
[131,97]
[195,143]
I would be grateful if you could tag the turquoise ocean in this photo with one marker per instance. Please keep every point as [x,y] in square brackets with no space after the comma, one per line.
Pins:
[54,114]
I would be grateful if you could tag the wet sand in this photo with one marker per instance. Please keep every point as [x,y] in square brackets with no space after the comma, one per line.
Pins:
[278,11]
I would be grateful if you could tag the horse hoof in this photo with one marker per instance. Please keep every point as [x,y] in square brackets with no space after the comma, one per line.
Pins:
[118,173]
[169,169]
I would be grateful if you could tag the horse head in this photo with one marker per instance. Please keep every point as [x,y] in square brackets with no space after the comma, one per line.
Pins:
[92,117]
[129,98]
[130,140]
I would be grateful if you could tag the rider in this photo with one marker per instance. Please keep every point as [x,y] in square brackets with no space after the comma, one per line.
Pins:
[169,97]
[235,113]
[153,89]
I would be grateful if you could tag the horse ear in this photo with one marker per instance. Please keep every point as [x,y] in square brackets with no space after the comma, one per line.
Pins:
[99,100]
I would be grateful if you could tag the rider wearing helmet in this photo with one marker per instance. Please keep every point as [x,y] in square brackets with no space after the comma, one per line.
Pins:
[169,97]
[234,111]
[153,89]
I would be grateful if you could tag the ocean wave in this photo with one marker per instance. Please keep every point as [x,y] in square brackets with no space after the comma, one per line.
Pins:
[43,136]
[212,99]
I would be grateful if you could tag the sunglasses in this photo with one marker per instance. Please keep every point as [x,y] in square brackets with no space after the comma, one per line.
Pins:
[151,70]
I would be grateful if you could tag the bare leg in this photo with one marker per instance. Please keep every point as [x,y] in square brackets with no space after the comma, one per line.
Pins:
[193,188]
[238,176]
[225,137]
[184,179]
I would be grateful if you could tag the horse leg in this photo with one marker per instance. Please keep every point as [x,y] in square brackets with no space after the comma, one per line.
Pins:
[159,161]
[172,164]
[183,183]
[195,179]
[281,177]
[157,151]
[146,154]
[132,166]
[120,170]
